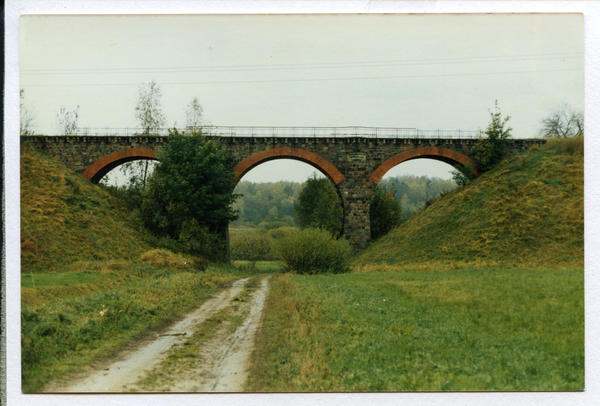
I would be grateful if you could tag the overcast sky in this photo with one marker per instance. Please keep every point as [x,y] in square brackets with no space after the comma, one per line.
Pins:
[419,71]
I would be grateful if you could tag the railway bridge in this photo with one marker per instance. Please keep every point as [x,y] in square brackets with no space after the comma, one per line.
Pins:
[353,158]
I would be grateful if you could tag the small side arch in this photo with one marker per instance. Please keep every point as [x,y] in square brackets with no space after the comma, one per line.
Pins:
[102,166]
[440,154]
[290,153]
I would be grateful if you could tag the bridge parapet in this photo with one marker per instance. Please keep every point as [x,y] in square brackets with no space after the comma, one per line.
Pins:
[279,132]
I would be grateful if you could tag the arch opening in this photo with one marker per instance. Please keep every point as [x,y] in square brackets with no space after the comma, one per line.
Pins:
[439,154]
[97,170]
[417,182]
[271,189]
[310,158]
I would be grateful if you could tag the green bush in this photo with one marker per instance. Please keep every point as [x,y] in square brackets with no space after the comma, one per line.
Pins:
[276,233]
[314,251]
[255,246]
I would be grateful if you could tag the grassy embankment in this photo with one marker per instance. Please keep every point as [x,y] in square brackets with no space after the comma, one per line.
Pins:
[91,280]
[483,290]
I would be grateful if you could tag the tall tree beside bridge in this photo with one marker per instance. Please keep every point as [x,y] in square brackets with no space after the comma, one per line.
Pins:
[149,114]
[188,198]
[193,113]
[148,110]
[563,122]
[27,119]
[489,151]
[319,206]
[66,121]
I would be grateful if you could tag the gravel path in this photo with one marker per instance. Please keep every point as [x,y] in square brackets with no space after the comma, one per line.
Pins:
[224,358]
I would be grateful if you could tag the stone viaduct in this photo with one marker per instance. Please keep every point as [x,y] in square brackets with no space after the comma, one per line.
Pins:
[355,161]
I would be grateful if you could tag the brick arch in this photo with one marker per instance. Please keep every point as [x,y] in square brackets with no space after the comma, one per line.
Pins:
[102,166]
[290,153]
[440,154]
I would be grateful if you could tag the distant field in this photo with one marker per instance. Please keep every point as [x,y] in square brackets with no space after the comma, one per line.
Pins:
[473,330]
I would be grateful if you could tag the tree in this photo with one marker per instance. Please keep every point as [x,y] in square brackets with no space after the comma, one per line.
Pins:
[385,211]
[27,119]
[148,110]
[563,122]
[136,173]
[193,114]
[189,197]
[319,206]
[67,121]
[462,174]
[489,151]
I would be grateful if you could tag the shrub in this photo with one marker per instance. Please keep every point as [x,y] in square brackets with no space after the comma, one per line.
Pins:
[255,246]
[280,232]
[313,251]
[462,174]
[489,151]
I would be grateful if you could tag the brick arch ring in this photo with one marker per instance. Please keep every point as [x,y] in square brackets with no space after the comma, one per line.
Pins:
[291,153]
[440,154]
[102,166]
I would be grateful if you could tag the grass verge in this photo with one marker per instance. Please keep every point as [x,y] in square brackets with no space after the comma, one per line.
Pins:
[422,331]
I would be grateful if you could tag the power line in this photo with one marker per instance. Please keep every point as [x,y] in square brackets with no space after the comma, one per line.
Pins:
[308,80]
[304,66]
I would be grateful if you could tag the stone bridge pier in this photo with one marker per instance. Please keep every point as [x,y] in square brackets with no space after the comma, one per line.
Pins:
[356,200]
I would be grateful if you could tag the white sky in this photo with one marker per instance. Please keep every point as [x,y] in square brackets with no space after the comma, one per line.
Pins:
[424,71]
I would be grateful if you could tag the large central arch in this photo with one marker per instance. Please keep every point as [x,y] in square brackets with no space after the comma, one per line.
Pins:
[102,166]
[440,154]
[290,153]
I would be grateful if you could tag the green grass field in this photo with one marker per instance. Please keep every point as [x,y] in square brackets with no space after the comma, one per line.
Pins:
[459,330]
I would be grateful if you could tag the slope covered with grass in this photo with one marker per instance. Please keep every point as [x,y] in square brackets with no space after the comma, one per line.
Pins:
[526,213]
[65,218]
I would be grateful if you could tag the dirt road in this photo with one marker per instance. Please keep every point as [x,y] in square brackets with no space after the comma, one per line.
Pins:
[216,357]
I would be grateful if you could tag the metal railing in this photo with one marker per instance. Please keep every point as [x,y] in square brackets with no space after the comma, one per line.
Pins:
[287,132]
